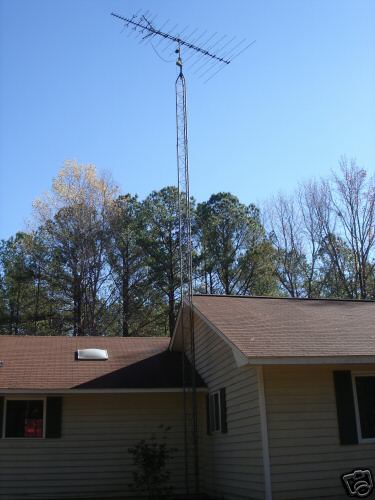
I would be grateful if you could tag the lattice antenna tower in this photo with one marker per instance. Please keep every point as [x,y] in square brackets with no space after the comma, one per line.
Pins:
[206,55]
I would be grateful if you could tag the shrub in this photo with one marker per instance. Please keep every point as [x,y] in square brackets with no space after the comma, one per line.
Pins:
[151,457]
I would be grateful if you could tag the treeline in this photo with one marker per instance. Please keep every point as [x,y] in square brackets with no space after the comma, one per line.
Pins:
[100,263]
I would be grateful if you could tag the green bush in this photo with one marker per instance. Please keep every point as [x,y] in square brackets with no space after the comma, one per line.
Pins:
[151,458]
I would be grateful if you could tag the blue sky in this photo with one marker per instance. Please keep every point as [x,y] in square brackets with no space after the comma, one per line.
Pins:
[74,86]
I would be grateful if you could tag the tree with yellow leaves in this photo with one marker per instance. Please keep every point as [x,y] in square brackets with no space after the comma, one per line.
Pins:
[73,224]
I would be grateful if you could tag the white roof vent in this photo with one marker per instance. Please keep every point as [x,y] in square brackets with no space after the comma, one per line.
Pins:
[92,354]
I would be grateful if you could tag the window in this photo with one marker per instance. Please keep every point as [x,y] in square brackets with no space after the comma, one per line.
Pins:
[217,412]
[364,390]
[214,412]
[24,418]
[39,417]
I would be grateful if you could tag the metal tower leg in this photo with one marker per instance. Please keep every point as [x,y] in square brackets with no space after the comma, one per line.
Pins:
[186,273]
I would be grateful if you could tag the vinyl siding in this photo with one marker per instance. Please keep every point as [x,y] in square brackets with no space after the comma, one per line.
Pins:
[306,456]
[91,458]
[232,463]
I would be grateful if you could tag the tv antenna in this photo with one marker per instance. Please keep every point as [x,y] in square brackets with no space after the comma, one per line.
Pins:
[207,58]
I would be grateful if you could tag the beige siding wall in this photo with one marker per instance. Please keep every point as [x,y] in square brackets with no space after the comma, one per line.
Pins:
[306,456]
[232,462]
[91,458]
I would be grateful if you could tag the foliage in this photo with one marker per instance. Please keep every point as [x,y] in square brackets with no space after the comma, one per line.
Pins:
[126,259]
[99,263]
[151,458]
[235,253]
[74,228]
[324,236]
[17,284]
[160,241]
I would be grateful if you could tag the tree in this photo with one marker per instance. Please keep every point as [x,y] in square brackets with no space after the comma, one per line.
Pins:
[160,242]
[337,269]
[314,276]
[234,250]
[324,236]
[128,264]
[296,238]
[17,285]
[98,263]
[74,226]
[354,202]
[284,225]
[344,207]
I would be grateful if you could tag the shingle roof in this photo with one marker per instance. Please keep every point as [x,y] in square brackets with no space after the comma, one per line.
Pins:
[276,327]
[50,363]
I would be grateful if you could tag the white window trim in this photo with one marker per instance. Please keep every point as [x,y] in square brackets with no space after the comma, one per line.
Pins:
[24,398]
[211,408]
[356,407]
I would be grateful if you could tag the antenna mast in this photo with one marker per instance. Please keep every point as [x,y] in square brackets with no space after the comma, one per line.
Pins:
[186,265]
[207,64]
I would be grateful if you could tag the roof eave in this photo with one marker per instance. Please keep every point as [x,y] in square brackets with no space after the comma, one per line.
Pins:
[311,360]
[71,392]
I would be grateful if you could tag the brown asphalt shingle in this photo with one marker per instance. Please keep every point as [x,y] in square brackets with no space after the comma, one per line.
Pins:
[270,327]
[50,363]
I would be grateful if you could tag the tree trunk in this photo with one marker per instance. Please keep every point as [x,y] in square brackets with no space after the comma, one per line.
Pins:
[17,315]
[37,299]
[171,318]
[77,307]
[125,292]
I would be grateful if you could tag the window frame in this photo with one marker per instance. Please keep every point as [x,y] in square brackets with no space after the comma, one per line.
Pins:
[24,398]
[356,375]
[211,412]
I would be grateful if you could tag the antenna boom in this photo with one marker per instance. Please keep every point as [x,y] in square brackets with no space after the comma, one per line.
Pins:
[153,31]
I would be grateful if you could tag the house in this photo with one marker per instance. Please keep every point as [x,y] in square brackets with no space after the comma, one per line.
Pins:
[299,380]
[68,420]
[285,397]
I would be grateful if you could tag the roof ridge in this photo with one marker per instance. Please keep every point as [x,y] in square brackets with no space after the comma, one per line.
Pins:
[79,337]
[321,299]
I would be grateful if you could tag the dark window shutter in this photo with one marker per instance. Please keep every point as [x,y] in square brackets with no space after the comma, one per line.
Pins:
[53,417]
[223,410]
[345,407]
[208,413]
[1,416]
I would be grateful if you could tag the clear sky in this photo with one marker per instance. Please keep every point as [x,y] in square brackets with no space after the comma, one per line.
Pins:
[74,86]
